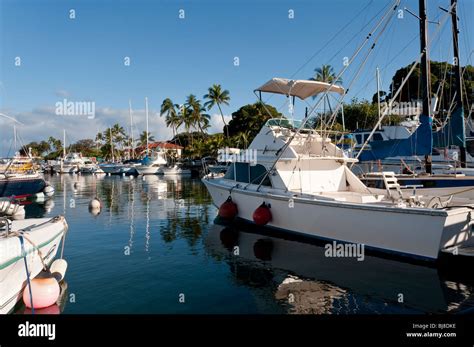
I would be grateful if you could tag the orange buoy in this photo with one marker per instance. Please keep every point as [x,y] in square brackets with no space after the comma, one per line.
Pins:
[228,209]
[53,309]
[262,215]
[45,291]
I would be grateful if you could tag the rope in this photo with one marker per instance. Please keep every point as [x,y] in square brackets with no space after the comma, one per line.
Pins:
[27,274]
[21,235]
[461,191]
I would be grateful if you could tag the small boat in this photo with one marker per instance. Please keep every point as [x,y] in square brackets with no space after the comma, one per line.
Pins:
[90,167]
[71,163]
[35,238]
[176,170]
[153,165]
[22,181]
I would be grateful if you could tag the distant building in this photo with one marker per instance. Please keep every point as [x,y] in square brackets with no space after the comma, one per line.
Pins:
[164,146]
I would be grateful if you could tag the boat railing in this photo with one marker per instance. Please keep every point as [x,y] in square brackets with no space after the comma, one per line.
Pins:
[6,222]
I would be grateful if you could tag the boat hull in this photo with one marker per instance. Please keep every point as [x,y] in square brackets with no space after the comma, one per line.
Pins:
[46,234]
[176,172]
[391,230]
[148,170]
[21,187]
[66,169]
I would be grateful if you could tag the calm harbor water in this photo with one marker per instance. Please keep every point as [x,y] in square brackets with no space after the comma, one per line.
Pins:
[155,249]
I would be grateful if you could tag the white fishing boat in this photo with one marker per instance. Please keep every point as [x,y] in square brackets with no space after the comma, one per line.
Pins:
[175,170]
[71,163]
[306,187]
[28,239]
[153,164]
[90,167]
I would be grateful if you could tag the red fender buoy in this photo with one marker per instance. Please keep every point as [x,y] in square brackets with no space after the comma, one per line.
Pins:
[228,210]
[262,215]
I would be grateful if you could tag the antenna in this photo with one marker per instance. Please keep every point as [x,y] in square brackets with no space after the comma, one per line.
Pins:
[146,112]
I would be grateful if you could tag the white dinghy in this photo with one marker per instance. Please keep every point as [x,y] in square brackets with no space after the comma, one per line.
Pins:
[307,187]
[37,240]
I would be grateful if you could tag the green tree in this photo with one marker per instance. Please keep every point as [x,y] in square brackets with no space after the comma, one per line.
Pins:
[250,118]
[198,117]
[143,136]
[216,97]
[172,119]
[326,74]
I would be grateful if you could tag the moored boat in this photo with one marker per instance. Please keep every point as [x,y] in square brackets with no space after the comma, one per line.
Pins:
[28,239]
[306,187]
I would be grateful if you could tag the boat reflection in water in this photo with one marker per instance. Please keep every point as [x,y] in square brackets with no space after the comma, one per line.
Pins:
[304,280]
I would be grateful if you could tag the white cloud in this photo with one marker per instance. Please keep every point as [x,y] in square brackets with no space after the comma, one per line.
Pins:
[217,126]
[42,122]
[61,93]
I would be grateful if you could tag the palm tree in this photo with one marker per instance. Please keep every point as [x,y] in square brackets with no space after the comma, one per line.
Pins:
[143,136]
[99,138]
[172,119]
[242,139]
[326,74]
[216,96]
[195,108]
[56,144]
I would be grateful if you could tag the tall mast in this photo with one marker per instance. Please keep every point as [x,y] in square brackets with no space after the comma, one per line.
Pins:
[111,144]
[64,143]
[457,79]
[146,112]
[377,75]
[425,71]
[14,136]
[131,129]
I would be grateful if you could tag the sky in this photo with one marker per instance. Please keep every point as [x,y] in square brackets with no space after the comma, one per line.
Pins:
[83,58]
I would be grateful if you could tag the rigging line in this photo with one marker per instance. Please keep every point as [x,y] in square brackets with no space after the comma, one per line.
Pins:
[362,29]
[400,87]
[338,77]
[389,63]
[280,152]
[333,38]
[358,72]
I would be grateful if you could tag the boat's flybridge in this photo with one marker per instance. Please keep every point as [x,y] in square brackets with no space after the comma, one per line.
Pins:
[294,158]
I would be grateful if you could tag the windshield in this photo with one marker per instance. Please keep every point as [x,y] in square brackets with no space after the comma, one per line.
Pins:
[285,123]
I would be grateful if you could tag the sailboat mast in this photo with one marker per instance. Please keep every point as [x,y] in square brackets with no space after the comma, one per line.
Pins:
[425,71]
[64,143]
[457,78]
[146,112]
[132,155]
[111,145]
[377,76]
[14,136]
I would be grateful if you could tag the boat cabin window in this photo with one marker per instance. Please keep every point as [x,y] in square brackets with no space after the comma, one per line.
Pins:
[377,137]
[361,138]
[246,173]
[286,123]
